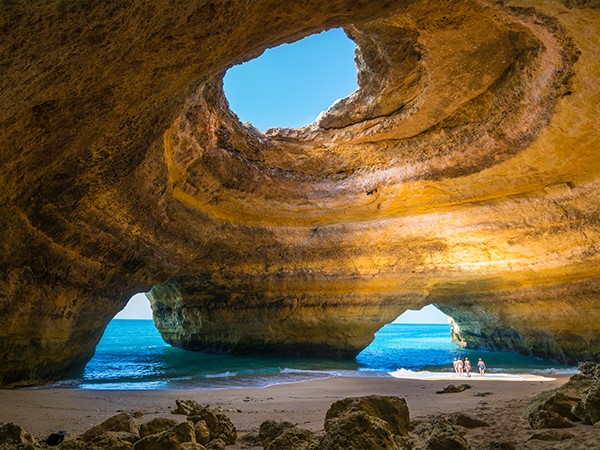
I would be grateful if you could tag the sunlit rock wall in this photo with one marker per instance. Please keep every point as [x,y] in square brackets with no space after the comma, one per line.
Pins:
[464,172]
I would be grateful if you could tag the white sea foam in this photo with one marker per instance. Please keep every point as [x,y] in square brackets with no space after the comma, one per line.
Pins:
[425,375]
[227,374]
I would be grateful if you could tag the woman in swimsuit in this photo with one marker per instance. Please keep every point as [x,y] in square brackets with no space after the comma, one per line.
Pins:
[468,367]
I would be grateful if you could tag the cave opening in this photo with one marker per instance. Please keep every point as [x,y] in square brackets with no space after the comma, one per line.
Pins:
[290,85]
[130,349]
[137,308]
[417,339]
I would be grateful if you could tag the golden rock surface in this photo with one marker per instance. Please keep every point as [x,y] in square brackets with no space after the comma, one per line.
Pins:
[464,173]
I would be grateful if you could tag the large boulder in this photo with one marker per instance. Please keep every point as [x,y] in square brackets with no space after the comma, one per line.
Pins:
[168,440]
[357,430]
[390,409]
[588,407]
[437,433]
[122,422]
[551,409]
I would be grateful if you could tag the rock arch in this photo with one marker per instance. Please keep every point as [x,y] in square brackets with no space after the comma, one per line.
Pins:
[463,173]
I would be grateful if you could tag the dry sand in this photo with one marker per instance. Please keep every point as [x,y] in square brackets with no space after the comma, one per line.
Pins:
[42,411]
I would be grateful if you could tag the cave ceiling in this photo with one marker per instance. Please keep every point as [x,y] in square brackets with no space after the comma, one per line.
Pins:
[464,172]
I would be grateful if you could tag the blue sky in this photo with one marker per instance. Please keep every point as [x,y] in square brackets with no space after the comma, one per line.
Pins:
[289,85]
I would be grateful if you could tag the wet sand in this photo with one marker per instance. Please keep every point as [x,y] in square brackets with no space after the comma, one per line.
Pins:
[500,402]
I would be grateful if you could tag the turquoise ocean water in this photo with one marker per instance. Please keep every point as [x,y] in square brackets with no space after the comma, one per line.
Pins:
[132,355]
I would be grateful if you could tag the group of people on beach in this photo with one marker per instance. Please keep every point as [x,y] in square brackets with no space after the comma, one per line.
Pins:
[462,367]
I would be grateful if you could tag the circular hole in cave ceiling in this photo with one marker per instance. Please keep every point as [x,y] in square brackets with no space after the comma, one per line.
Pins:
[290,85]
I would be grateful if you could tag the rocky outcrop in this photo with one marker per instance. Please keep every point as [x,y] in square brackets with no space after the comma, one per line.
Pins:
[462,173]
[207,419]
[392,410]
[576,400]
[437,433]
[274,435]
[13,436]
[373,421]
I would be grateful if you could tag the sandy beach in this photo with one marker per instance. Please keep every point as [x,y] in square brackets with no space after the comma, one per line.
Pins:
[499,402]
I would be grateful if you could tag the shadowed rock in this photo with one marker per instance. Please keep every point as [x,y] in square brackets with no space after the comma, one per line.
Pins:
[587,408]
[392,410]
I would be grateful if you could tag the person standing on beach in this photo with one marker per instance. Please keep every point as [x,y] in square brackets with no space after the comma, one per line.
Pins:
[460,365]
[455,364]
[481,367]
[468,367]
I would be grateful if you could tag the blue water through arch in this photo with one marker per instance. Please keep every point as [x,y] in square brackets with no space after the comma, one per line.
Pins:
[132,355]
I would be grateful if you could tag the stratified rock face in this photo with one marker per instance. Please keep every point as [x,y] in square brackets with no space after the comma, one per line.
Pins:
[464,172]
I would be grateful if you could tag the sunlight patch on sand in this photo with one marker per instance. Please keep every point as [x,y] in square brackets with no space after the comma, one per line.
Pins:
[436,376]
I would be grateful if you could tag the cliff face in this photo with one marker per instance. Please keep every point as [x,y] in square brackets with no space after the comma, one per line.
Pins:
[464,172]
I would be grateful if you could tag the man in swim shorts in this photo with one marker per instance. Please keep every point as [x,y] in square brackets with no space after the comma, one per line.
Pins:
[481,367]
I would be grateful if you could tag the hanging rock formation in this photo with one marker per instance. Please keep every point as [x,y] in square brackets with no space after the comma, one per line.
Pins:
[463,173]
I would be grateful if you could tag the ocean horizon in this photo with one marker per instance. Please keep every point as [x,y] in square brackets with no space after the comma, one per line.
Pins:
[132,355]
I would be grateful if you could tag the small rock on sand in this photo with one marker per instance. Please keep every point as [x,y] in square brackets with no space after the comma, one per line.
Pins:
[451,389]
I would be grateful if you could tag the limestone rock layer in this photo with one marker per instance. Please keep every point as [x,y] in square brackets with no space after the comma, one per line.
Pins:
[464,172]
